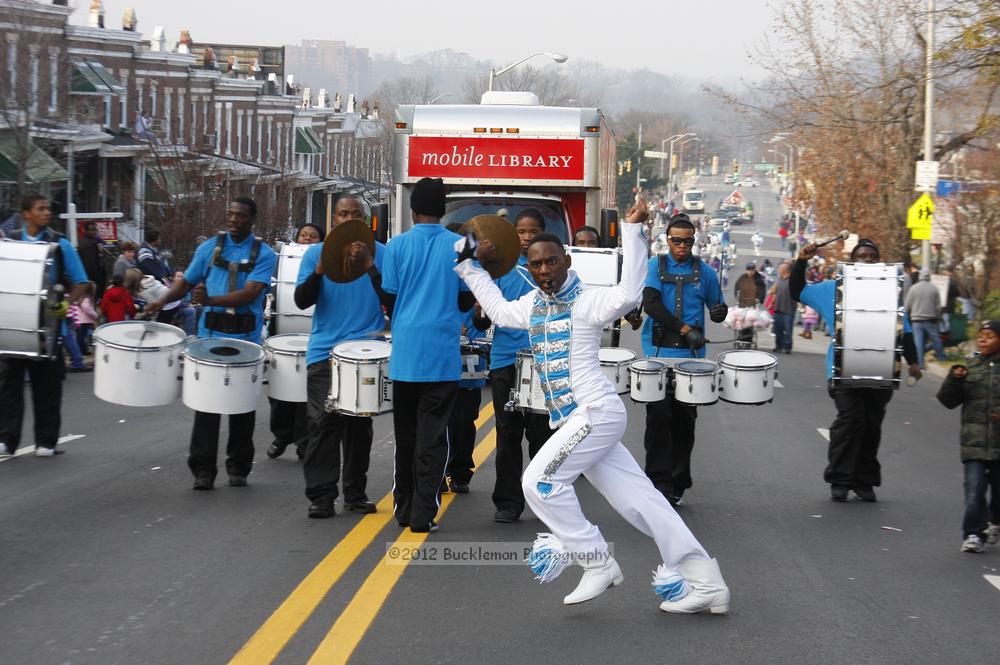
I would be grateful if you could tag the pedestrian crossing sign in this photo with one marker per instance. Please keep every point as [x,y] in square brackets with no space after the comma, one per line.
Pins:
[921,215]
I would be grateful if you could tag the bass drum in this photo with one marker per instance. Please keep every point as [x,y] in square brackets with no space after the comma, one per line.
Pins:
[289,318]
[222,375]
[138,363]
[25,286]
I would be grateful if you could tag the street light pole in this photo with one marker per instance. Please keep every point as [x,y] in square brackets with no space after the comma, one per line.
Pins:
[558,57]
[638,161]
[925,245]
[670,167]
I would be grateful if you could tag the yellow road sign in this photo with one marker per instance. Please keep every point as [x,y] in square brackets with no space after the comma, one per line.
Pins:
[921,214]
[920,233]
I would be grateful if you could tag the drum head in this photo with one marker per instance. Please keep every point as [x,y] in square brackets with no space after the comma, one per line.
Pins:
[363,349]
[695,367]
[610,354]
[139,334]
[288,343]
[747,359]
[224,351]
[647,365]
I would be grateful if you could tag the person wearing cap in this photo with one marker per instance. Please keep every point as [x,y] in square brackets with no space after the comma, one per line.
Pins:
[973,387]
[857,430]
[344,311]
[678,290]
[426,299]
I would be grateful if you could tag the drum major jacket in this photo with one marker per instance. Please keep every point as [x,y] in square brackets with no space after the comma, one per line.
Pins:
[565,329]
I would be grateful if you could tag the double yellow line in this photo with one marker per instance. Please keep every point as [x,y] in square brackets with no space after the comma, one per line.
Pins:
[267,643]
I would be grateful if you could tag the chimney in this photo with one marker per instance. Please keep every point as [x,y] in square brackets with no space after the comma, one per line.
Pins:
[96,14]
[364,109]
[323,99]
[254,70]
[272,84]
[208,58]
[350,103]
[337,103]
[184,45]
[129,20]
[158,41]
[375,111]
[234,67]
[306,98]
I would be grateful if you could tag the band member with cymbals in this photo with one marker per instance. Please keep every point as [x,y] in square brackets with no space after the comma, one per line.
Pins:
[46,374]
[565,321]
[288,422]
[229,275]
[425,298]
[347,308]
[679,288]
[856,432]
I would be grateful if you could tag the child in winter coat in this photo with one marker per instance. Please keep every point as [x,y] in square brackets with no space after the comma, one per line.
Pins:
[117,304]
[977,389]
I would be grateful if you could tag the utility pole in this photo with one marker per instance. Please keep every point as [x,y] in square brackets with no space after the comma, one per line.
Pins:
[925,245]
[638,166]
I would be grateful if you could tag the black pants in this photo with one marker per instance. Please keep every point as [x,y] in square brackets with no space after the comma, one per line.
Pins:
[669,440]
[512,427]
[328,434]
[462,434]
[289,423]
[420,413]
[855,436]
[46,399]
[205,444]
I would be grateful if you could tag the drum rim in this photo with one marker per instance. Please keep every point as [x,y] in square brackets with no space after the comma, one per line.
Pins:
[664,367]
[613,363]
[216,363]
[360,361]
[684,372]
[286,352]
[139,349]
[261,355]
[723,363]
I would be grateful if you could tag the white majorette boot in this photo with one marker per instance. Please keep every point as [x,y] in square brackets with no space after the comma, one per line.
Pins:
[706,589]
[597,578]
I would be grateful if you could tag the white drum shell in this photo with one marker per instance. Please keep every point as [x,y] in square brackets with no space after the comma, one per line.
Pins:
[868,318]
[597,266]
[24,284]
[138,376]
[614,365]
[528,395]
[648,380]
[290,319]
[696,388]
[743,383]
[221,388]
[286,369]
[359,387]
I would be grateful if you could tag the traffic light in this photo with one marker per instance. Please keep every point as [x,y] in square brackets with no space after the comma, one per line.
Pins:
[736,168]
[628,165]
[621,168]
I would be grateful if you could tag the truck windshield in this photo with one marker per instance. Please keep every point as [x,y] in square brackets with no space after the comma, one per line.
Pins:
[462,210]
[693,196]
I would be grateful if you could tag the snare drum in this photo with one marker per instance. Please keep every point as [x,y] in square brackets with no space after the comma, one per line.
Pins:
[869,323]
[137,363]
[648,379]
[290,319]
[222,375]
[747,377]
[25,285]
[359,378]
[286,364]
[696,382]
[527,394]
[614,365]
[475,357]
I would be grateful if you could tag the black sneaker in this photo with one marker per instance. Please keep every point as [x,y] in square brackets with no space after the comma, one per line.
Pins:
[427,528]
[322,508]
[237,481]
[838,493]
[360,506]
[276,449]
[865,493]
[459,488]
[203,483]
[505,516]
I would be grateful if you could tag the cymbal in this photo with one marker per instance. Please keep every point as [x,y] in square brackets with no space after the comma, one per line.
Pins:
[336,249]
[501,233]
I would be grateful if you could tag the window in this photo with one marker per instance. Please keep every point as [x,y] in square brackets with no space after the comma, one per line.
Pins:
[461,210]
[53,81]
[12,66]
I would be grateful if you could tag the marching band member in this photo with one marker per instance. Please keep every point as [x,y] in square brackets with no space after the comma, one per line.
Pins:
[46,374]
[565,322]
[425,365]
[344,312]
[856,432]
[288,421]
[679,287]
[229,275]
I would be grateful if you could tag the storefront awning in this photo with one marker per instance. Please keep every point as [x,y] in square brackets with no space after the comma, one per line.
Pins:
[93,78]
[306,141]
[39,167]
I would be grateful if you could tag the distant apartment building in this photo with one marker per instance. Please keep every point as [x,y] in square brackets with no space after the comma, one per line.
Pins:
[333,65]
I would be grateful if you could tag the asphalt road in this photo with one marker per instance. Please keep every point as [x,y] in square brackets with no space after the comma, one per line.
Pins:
[109,557]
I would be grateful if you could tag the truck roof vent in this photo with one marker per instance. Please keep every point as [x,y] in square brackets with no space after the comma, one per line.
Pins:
[509,98]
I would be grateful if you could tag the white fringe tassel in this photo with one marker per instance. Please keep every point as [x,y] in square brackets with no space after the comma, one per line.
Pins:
[548,558]
[669,584]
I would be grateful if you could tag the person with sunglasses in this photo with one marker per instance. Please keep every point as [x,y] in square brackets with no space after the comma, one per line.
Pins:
[679,288]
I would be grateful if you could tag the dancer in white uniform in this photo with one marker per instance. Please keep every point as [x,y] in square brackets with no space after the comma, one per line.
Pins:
[565,320]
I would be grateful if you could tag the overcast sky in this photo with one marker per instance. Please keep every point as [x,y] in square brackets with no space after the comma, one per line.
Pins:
[697,38]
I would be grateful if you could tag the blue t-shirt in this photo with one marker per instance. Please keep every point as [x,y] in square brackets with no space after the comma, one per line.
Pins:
[822,297]
[343,311]
[426,323]
[707,293]
[508,341]
[216,280]
[72,265]
[472,333]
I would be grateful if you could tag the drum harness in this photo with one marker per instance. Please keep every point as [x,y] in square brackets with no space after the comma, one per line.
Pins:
[229,321]
[661,336]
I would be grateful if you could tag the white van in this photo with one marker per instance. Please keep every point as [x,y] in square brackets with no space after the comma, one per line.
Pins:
[693,200]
